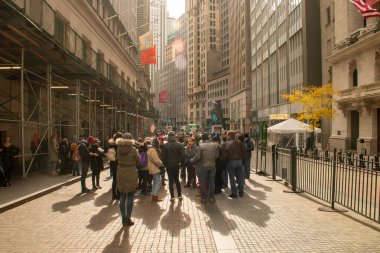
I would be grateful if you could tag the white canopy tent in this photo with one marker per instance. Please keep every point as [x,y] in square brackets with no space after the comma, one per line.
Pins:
[292,132]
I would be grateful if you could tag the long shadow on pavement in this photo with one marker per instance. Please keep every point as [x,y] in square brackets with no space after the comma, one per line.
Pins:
[148,211]
[64,206]
[106,215]
[120,242]
[175,219]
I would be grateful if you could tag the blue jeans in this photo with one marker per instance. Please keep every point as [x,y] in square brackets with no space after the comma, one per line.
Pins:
[235,169]
[207,174]
[247,166]
[129,197]
[85,166]
[157,182]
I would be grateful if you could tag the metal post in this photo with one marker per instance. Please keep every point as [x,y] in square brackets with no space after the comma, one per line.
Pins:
[112,117]
[22,114]
[333,189]
[49,102]
[103,124]
[274,163]
[95,109]
[293,157]
[77,108]
[257,156]
[89,110]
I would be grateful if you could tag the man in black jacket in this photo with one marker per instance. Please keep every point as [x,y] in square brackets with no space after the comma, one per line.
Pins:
[249,147]
[173,156]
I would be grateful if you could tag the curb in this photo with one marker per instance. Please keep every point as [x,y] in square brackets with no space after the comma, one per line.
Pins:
[36,195]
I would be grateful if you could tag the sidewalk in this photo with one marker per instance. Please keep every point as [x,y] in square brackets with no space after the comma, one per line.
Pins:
[265,220]
[34,186]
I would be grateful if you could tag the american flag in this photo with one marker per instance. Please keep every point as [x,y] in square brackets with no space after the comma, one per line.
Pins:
[365,9]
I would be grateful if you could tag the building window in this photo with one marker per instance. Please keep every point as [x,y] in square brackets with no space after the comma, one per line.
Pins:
[355,78]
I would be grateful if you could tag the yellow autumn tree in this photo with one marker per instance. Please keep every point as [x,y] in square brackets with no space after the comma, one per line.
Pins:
[317,104]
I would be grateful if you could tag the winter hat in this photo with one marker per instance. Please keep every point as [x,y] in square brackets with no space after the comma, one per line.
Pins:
[90,139]
[127,136]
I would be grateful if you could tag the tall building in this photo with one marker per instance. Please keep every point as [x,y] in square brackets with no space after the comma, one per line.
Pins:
[204,55]
[286,55]
[171,27]
[327,26]
[158,16]
[173,79]
[356,75]
[240,64]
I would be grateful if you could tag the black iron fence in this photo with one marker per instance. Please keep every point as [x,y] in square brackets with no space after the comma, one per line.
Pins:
[350,180]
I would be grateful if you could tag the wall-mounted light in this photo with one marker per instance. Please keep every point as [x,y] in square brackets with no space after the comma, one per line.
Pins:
[105,105]
[93,100]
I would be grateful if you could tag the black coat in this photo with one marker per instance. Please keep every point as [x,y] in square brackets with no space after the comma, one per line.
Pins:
[173,154]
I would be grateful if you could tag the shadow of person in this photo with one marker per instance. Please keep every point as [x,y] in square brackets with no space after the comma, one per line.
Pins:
[105,216]
[148,211]
[175,220]
[120,243]
[64,206]
[258,185]
[252,207]
[217,220]
[104,199]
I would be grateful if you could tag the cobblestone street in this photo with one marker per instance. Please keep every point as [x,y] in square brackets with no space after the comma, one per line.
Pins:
[264,220]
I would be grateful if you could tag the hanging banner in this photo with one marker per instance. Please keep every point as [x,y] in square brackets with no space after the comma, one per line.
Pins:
[163,96]
[146,41]
[148,56]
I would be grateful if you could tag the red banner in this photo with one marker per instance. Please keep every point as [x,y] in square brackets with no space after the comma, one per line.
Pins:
[148,56]
[372,2]
[163,96]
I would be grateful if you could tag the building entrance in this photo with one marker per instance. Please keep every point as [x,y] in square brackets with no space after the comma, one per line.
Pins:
[354,129]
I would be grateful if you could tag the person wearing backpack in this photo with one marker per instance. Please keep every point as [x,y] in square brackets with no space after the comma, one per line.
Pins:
[74,158]
[112,158]
[143,167]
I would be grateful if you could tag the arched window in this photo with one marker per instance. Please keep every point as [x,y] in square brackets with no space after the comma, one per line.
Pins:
[355,78]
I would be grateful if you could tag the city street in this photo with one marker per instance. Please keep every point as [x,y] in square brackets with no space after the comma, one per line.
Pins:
[264,220]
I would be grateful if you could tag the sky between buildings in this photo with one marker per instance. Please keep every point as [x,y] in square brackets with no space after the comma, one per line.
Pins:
[176,8]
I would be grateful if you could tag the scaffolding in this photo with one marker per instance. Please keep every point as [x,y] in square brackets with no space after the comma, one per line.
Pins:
[49,85]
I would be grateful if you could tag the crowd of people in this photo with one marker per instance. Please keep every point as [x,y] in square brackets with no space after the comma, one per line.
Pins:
[200,160]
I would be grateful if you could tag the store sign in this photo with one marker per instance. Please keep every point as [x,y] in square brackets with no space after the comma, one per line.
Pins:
[278,116]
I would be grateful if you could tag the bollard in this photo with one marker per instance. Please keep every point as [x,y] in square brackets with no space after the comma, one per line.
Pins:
[349,159]
[326,155]
[316,154]
[293,157]
[376,160]
[361,160]
[340,156]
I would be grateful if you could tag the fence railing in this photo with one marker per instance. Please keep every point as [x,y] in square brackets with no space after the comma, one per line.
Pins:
[350,180]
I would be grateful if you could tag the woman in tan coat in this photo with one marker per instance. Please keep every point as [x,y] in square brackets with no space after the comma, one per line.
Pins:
[127,177]
[154,165]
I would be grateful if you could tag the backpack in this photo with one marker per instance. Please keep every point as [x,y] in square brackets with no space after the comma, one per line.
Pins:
[76,154]
[143,159]
[111,154]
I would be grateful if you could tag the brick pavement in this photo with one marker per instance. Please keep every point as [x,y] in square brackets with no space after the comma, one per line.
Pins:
[264,220]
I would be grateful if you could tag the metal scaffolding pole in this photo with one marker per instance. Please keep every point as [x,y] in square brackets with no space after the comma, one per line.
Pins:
[112,117]
[77,108]
[22,114]
[49,109]
[103,124]
[89,110]
[125,118]
[95,109]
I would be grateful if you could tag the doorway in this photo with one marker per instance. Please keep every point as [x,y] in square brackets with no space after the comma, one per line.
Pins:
[354,129]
